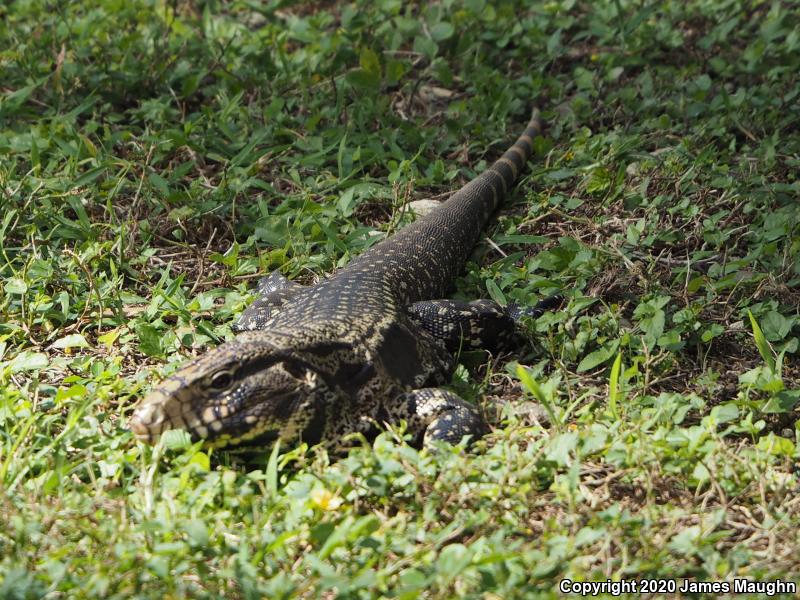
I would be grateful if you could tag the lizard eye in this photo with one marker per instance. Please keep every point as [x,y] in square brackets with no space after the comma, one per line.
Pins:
[221,380]
[295,370]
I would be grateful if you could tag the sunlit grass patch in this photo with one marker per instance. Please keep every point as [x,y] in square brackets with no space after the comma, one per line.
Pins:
[155,158]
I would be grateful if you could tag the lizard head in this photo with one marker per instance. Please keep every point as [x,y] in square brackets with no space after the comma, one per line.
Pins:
[244,391]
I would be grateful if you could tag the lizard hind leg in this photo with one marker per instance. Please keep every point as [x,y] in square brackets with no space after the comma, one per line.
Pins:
[274,291]
[465,325]
[478,324]
[440,415]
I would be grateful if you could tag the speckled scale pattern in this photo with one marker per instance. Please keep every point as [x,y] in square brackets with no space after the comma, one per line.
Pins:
[274,290]
[442,416]
[346,355]
[466,325]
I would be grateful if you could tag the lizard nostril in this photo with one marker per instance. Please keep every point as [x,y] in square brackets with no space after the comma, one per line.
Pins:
[138,428]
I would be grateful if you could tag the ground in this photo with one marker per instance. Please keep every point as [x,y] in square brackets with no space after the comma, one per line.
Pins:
[157,157]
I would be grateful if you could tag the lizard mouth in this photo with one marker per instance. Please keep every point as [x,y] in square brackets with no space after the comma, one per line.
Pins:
[216,424]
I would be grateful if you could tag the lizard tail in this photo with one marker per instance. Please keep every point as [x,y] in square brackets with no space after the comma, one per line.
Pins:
[423,258]
[512,163]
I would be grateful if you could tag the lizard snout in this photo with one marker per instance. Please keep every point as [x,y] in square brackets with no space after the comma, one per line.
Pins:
[148,421]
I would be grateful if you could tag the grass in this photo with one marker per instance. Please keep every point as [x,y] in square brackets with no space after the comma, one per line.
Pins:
[158,156]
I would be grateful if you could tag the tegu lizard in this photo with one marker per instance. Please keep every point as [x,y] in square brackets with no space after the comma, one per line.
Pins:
[370,345]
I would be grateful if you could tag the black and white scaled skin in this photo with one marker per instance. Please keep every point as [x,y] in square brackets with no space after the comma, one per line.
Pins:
[371,345]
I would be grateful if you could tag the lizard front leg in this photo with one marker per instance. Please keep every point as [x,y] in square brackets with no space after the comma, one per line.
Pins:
[274,291]
[434,414]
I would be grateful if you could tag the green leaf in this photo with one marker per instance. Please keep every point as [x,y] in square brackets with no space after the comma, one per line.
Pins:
[346,202]
[453,559]
[598,357]
[29,361]
[686,541]
[272,469]
[75,340]
[599,180]
[671,340]
[370,63]
[363,80]
[15,285]
[425,46]
[495,292]
[712,331]
[561,446]
[653,326]
[761,343]
[88,177]
[442,31]
[340,157]
[36,161]
[776,326]
[700,473]
[12,101]
[475,6]
[703,82]
[159,183]
[197,531]
[176,439]
[613,385]
[725,412]
[413,579]
[532,386]
[560,174]
[108,338]
[74,391]
[588,535]
[321,532]
[201,460]
[554,42]
[395,70]
[782,402]
[249,153]
[776,445]
[150,340]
